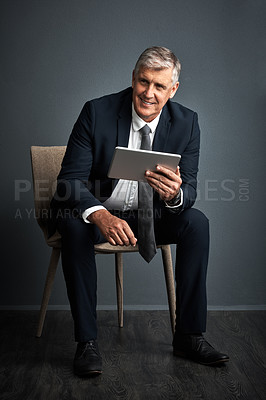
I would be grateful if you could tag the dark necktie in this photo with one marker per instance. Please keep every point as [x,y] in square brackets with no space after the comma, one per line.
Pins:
[146,238]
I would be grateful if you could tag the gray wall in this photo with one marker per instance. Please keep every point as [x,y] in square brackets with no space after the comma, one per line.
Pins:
[56,54]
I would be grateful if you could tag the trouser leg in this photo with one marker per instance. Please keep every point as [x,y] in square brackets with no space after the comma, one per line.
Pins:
[190,231]
[79,268]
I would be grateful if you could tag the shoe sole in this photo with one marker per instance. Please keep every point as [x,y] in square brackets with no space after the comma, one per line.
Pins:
[88,373]
[184,355]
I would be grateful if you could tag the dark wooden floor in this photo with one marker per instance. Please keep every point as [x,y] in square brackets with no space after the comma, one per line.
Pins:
[138,360]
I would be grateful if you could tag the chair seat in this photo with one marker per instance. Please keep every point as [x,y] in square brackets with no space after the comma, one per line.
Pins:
[109,248]
[55,242]
[106,247]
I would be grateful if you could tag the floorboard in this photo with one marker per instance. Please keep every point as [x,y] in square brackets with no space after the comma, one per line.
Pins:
[137,359]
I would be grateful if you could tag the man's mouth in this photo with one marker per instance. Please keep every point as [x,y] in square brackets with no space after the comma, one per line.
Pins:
[148,103]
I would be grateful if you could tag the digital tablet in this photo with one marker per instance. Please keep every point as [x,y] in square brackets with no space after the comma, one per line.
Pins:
[131,164]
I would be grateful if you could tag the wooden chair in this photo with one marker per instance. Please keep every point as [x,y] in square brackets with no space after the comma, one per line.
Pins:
[46,163]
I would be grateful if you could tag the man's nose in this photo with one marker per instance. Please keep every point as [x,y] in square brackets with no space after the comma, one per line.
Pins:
[149,92]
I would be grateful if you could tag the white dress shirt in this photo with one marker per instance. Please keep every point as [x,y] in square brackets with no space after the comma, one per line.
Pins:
[125,194]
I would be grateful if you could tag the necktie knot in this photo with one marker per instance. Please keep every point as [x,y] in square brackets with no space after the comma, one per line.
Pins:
[145,130]
[145,138]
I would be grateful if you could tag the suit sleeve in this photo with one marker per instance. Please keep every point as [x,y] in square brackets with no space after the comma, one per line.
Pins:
[189,168]
[73,189]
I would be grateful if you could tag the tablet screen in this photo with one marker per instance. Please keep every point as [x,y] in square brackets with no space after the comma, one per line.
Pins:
[131,164]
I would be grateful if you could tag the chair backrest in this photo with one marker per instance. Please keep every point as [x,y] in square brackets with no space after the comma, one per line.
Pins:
[46,164]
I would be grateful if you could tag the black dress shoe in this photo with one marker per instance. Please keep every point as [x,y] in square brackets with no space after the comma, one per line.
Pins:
[88,360]
[196,348]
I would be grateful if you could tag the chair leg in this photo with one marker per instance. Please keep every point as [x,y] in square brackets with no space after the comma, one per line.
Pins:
[119,286]
[47,288]
[170,283]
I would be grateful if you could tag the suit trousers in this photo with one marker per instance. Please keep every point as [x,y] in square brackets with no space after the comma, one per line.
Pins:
[189,230]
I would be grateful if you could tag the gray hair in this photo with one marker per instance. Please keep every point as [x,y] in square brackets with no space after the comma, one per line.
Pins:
[158,58]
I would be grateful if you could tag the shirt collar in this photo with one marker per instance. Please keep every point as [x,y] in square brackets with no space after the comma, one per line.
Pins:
[138,123]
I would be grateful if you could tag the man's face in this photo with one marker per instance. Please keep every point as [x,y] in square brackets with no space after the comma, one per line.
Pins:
[151,90]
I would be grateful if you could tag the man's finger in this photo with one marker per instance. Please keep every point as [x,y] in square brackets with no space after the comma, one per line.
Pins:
[130,235]
[167,172]
[122,234]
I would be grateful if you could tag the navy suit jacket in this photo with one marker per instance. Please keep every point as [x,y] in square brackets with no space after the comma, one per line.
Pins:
[102,125]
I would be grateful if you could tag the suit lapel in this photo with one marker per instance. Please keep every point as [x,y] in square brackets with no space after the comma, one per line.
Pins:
[162,131]
[124,122]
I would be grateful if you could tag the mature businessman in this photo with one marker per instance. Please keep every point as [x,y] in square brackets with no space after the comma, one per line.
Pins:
[94,208]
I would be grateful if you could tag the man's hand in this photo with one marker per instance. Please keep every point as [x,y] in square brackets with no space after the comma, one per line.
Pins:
[115,230]
[166,182]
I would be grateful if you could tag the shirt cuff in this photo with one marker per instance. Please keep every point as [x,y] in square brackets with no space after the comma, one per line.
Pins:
[89,211]
[176,202]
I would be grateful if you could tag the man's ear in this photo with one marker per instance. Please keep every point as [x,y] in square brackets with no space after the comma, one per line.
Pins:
[174,89]
[133,78]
